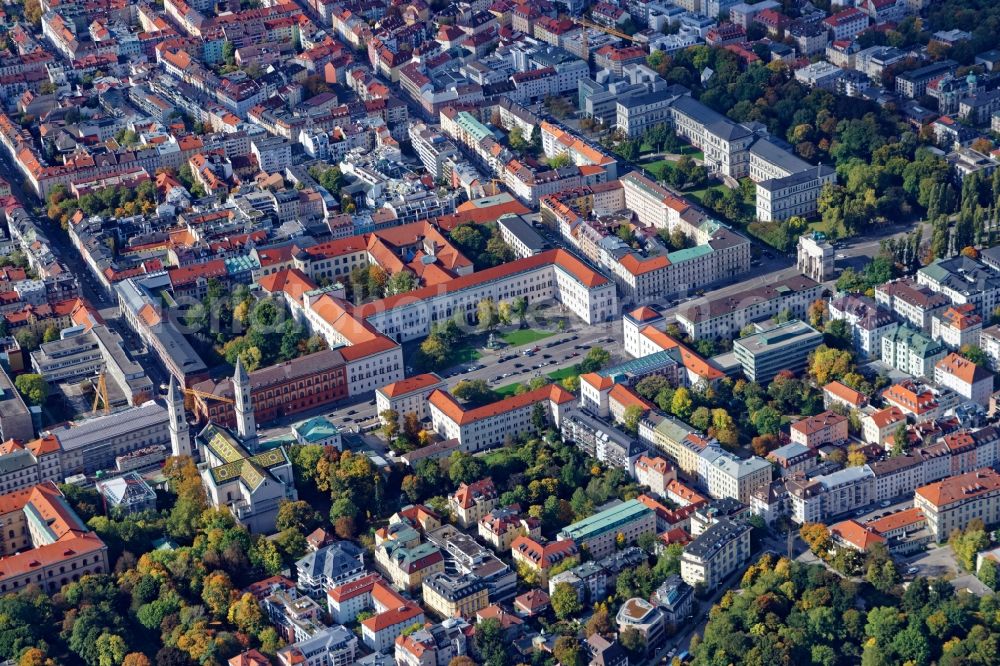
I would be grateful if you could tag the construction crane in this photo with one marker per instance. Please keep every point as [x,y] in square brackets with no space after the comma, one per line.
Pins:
[583,23]
[101,394]
[495,187]
[190,394]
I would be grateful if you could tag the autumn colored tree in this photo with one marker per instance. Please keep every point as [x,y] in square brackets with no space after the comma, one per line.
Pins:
[217,593]
[245,614]
[817,537]
[827,364]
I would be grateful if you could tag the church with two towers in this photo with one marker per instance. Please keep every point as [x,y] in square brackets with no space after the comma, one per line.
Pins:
[237,472]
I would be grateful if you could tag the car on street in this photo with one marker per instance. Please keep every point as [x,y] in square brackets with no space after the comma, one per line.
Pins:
[913,570]
[352,412]
[885,504]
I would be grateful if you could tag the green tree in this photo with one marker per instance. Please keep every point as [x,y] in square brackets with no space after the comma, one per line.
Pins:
[987,573]
[299,515]
[633,640]
[33,387]
[596,358]
[217,593]
[539,417]
[486,315]
[26,339]
[975,354]
[475,392]
[111,650]
[631,417]
[464,468]
[565,602]
[568,652]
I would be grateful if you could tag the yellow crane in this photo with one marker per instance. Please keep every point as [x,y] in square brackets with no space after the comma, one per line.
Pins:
[101,394]
[195,393]
[584,23]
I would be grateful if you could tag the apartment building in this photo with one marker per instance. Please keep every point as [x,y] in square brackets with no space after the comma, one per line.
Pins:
[328,567]
[824,428]
[965,378]
[500,527]
[784,347]
[539,556]
[645,618]
[951,503]
[331,646]
[880,426]
[989,342]
[957,326]
[914,302]
[473,501]
[408,565]
[450,595]
[838,393]
[599,532]
[655,473]
[792,458]
[715,553]
[963,280]
[726,475]
[680,442]
[908,350]
[919,402]
[846,24]
[869,322]
[829,495]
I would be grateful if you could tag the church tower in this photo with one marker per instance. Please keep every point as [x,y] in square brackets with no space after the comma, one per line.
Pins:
[180,433]
[246,427]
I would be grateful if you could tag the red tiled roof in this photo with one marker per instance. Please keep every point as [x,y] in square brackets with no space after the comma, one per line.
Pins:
[845,393]
[48,555]
[410,385]
[856,534]
[447,404]
[965,486]
[560,258]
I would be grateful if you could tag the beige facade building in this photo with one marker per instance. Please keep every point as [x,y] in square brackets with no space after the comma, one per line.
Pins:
[450,595]
[951,503]
[815,431]
[472,501]
[715,553]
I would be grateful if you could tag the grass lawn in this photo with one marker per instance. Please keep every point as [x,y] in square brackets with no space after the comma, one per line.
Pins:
[525,336]
[463,354]
[699,194]
[658,168]
[560,375]
[507,391]
[692,152]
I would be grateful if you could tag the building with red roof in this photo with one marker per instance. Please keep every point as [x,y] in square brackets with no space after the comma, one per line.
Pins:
[488,425]
[852,534]
[408,396]
[951,503]
[539,555]
[471,502]
[45,543]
